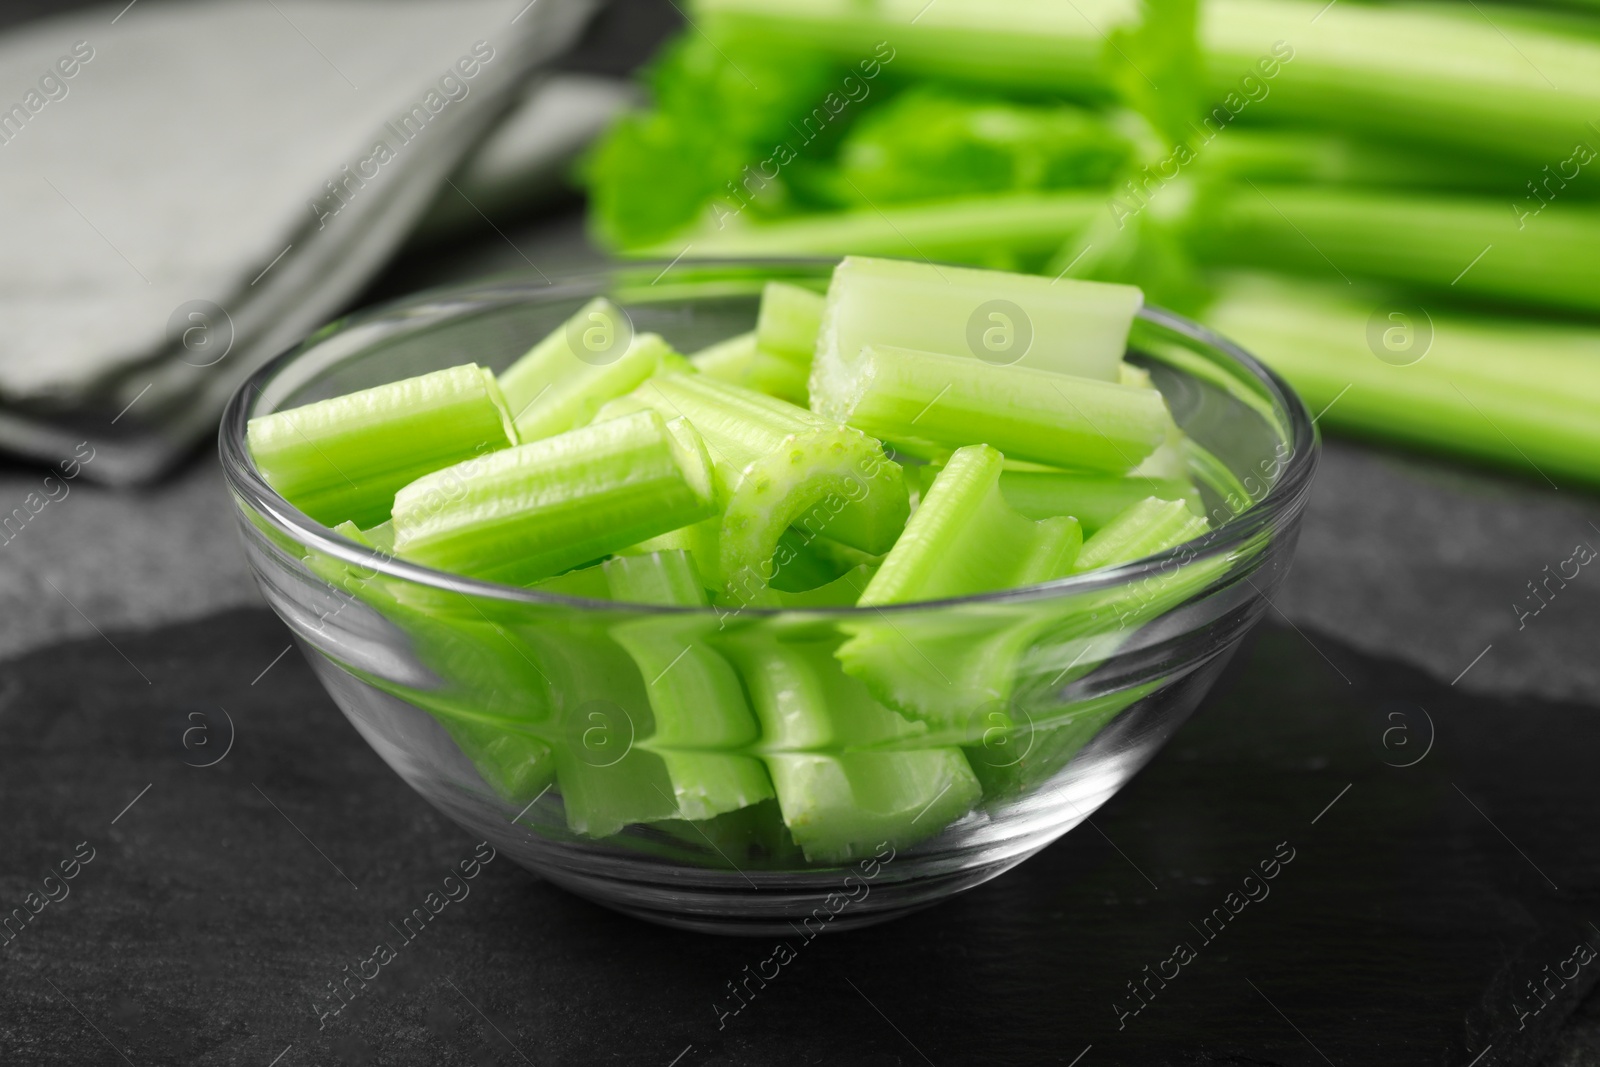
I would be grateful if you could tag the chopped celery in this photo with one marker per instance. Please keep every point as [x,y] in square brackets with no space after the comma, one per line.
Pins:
[964,539]
[1092,499]
[739,360]
[537,509]
[1067,326]
[788,322]
[923,399]
[842,592]
[1148,527]
[345,457]
[778,465]
[564,379]
[701,717]
[841,799]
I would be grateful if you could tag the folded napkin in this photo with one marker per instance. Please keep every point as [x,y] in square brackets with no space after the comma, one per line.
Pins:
[186,190]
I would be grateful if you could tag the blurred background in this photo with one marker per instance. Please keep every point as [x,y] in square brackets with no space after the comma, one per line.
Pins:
[1395,205]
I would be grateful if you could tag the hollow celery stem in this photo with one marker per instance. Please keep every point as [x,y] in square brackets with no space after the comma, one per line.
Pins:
[777,465]
[992,317]
[564,379]
[345,457]
[532,511]
[918,399]
[702,720]
[849,773]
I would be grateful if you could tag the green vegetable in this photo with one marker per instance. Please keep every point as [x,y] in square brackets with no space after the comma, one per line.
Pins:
[928,403]
[701,716]
[565,378]
[776,466]
[1092,499]
[964,539]
[1518,394]
[788,322]
[1148,527]
[847,771]
[740,361]
[1069,327]
[344,458]
[537,509]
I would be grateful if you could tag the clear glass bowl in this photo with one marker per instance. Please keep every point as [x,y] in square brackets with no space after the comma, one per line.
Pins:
[527,717]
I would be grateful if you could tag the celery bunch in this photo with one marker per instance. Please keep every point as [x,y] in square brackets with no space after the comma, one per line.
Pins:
[1435,160]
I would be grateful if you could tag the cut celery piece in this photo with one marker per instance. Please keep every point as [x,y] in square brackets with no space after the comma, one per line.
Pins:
[918,399]
[1137,377]
[739,360]
[345,457]
[1148,527]
[532,511]
[587,582]
[702,720]
[788,322]
[778,465]
[517,767]
[561,383]
[965,539]
[1092,499]
[838,801]
[1066,326]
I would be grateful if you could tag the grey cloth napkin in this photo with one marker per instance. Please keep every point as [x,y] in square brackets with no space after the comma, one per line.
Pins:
[185,190]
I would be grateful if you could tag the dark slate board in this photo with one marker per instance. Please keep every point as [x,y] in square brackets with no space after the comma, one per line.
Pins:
[1403,931]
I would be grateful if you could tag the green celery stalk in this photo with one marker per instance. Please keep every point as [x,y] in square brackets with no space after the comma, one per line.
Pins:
[788,321]
[969,230]
[1516,393]
[964,539]
[702,719]
[540,508]
[848,772]
[741,361]
[345,457]
[1092,499]
[1446,244]
[918,399]
[991,317]
[777,465]
[564,379]
[1150,526]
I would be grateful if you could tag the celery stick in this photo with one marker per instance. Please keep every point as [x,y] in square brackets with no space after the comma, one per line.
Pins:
[915,399]
[702,719]
[788,321]
[964,539]
[990,317]
[778,465]
[345,457]
[796,567]
[562,381]
[1518,393]
[838,801]
[1092,499]
[537,509]
[1148,527]
[740,361]
[970,230]
[1417,239]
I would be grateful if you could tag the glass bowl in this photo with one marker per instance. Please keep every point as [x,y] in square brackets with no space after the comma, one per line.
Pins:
[529,718]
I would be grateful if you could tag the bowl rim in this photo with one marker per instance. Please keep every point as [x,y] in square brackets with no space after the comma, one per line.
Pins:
[1281,502]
